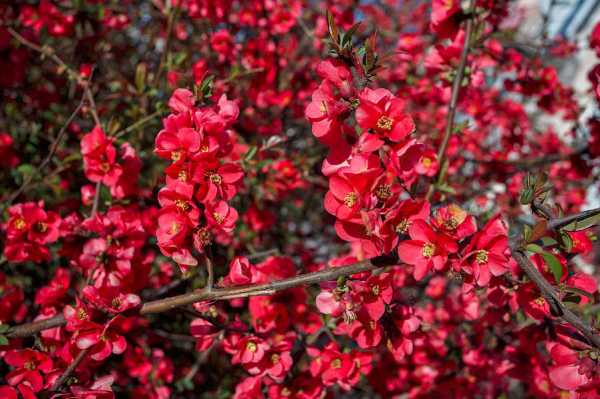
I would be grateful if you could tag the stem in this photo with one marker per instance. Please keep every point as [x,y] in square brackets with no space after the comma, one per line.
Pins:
[211,276]
[456,83]
[44,163]
[69,370]
[137,124]
[96,199]
[166,304]
[551,296]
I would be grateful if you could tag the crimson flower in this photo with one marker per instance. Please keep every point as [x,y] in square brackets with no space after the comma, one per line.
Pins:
[426,249]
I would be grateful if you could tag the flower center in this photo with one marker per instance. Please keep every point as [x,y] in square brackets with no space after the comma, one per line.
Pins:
[215,179]
[29,366]
[428,250]
[383,192]
[251,347]
[182,176]
[203,236]
[426,162]
[451,224]
[336,363]
[385,123]
[19,224]
[375,290]
[540,301]
[275,358]
[116,302]
[182,205]
[323,107]
[403,226]
[218,218]
[481,256]
[81,314]
[41,227]
[350,199]
[175,227]
[176,156]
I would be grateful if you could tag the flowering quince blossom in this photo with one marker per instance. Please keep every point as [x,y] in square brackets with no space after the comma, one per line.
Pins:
[297,199]
[28,230]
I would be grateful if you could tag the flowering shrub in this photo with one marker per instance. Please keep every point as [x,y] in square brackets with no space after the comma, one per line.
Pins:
[273,199]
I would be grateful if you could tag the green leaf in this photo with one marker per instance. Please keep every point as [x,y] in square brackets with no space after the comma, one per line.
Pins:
[534,248]
[4,328]
[251,152]
[583,224]
[554,265]
[3,340]
[548,241]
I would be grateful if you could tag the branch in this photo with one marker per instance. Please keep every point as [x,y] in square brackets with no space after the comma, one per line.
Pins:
[69,370]
[46,161]
[551,296]
[546,289]
[166,304]
[456,83]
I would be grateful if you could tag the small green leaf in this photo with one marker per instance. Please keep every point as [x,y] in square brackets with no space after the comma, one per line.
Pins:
[251,152]
[3,340]
[554,265]
[534,248]
[4,328]
[548,241]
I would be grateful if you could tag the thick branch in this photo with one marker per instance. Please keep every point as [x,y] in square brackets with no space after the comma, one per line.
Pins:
[553,299]
[166,304]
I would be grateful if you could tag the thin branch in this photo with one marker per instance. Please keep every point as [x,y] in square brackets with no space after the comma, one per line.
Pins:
[561,222]
[456,84]
[69,370]
[137,124]
[166,304]
[547,290]
[551,296]
[210,281]
[53,148]
[96,199]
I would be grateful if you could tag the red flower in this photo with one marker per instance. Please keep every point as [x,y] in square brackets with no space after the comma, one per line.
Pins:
[426,249]
[103,340]
[100,158]
[221,216]
[382,113]
[444,17]
[28,229]
[29,366]
[487,252]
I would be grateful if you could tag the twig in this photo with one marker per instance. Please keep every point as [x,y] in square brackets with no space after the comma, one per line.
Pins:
[561,222]
[211,277]
[546,289]
[553,299]
[69,370]
[137,124]
[96,199]
[44,163]
[172,19]
[166,304]
[456,83]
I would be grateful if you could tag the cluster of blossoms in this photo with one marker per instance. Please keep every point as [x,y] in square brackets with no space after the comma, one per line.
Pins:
[105,270]
[204,175]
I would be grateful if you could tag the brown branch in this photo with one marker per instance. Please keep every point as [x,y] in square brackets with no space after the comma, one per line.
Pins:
[96,199]
[528,163]
[456,84]
[547,290]
[69,370]
[46,161]
[557,223]
[166,304]
[551,296]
